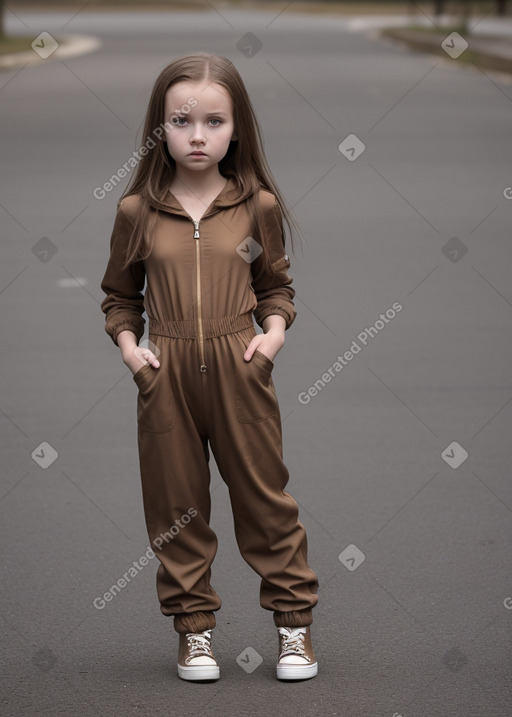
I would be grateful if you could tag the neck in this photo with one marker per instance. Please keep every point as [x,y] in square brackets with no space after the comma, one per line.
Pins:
[193,182]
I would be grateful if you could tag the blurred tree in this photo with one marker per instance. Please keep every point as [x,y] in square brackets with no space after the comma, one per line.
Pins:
[440,7]
[465,12]
[1,19]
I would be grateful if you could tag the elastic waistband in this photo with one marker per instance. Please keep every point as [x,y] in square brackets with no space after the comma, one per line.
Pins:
[187,329]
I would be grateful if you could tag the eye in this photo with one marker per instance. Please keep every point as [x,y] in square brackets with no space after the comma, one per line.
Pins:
[215,119]
[176,120]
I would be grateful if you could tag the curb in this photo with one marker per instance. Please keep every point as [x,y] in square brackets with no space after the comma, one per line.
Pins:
[69,46]
[394,7]
[72,45]
[489,52]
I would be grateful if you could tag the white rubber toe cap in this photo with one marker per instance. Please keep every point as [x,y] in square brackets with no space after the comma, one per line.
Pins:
[202,660]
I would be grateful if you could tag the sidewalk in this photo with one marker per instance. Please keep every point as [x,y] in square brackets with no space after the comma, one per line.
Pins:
[489,45]
[68,46]
[488,51]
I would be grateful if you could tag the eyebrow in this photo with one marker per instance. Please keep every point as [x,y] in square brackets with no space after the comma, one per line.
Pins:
[208,114]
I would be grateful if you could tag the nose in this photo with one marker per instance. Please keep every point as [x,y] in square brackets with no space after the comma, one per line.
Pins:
[197,134]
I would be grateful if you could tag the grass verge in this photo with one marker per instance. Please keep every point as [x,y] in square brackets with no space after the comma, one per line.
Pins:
[428,39]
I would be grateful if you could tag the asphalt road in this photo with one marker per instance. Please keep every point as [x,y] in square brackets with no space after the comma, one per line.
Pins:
[400,463]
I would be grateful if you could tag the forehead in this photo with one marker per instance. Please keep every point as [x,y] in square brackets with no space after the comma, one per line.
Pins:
[209,95]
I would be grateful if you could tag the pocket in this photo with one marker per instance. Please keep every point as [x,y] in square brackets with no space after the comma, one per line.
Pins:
[256,398]
[265,358]
[155,400]
[135,375]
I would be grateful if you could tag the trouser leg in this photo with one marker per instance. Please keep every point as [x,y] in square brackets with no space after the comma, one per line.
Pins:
[246,440]
[174,468]
[271,538]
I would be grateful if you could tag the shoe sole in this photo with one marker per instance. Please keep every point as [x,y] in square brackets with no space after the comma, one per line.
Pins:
[199,672]
[297,672]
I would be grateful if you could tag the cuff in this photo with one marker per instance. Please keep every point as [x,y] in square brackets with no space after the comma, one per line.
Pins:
[114,331]
[262,315]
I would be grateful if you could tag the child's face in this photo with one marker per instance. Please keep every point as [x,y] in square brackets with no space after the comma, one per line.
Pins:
[200,118]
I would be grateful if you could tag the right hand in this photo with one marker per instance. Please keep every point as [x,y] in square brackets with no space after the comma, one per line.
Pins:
[137,357]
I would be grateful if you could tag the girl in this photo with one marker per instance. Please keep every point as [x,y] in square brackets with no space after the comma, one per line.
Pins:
[203,221]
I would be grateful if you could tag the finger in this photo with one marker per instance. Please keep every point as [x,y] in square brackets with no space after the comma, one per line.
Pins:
[152,359]
[145,357]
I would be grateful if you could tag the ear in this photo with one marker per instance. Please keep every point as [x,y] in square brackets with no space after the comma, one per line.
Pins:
[234,137]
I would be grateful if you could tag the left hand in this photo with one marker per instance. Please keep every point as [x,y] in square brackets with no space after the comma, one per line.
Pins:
[268,344]
[271,341]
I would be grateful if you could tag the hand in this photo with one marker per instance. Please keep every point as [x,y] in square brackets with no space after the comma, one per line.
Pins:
[268,344]
[138,356]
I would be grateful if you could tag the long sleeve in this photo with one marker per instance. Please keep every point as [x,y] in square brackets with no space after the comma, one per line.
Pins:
[124,304]
[273,293]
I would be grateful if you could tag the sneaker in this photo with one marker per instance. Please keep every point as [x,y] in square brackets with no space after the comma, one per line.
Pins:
[296,657]
[195,657]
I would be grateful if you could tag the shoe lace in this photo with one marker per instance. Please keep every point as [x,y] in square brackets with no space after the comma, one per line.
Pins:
[199,643]
[292,642]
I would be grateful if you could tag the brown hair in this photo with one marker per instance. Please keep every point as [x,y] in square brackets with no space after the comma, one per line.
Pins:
[244,161]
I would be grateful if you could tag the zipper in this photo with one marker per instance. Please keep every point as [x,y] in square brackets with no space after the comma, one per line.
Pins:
[198,285]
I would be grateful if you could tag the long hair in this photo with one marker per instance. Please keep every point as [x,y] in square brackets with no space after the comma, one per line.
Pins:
[244,161]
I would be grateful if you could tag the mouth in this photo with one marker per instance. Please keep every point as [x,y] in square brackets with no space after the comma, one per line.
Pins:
[198,154]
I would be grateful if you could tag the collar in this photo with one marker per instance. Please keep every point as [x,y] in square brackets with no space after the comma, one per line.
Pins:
[231,194]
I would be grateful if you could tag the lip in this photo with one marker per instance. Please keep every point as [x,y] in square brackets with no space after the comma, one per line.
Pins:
[197,154]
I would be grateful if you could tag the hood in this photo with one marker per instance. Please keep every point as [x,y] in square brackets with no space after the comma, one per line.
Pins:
[229,196]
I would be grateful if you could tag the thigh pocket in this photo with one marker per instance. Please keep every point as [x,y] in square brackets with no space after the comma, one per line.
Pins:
[155,400]
[256,398]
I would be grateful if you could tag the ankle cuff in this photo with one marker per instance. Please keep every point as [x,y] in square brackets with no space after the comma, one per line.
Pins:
[294,618]
[194,622]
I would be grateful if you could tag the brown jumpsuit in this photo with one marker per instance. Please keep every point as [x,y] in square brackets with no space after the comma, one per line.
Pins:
[204,282]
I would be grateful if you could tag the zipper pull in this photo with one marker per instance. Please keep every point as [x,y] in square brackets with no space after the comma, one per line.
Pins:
[196,229]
